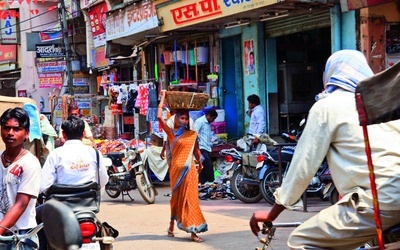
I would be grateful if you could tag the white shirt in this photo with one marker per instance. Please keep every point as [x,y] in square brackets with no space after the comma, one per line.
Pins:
[73,163]
[203,129]
[333,130]
[22,176]
[257,120]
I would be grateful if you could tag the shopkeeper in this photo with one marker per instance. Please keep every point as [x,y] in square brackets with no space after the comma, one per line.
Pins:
[87,139]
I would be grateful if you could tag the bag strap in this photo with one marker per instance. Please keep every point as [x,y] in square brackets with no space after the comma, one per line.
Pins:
[98,166]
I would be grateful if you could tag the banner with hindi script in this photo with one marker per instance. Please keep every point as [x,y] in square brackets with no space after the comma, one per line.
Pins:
[179,14]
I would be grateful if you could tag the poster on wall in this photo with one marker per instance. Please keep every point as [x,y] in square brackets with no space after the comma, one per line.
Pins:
[98,16]
[392,44]
[249,61]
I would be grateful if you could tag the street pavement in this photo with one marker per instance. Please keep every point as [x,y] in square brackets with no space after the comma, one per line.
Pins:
[144,226]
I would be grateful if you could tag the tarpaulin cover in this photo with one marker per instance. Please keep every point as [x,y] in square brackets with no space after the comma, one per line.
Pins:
[381,96]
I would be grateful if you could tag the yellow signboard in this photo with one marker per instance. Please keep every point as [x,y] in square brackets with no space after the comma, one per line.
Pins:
[180,14]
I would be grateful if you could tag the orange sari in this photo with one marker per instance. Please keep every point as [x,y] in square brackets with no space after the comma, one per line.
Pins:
[185,205]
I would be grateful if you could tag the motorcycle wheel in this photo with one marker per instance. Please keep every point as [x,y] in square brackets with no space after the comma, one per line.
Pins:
[146,190]
[269,183]
[112,193]
[245,193]
[334,197]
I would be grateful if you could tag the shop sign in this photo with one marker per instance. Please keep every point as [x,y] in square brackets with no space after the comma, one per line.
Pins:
[190,12]
[98,16]
[46,36]
[100,57]
[7,66]
[55,66]
[50,80]
[8,26]
[49,51]
[8,53]
[81,89]
[80,81]
[131,20]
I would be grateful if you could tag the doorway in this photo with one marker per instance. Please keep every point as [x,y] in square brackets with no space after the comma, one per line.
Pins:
[232,87]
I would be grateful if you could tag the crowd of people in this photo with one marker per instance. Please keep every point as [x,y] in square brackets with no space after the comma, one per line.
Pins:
[332,131]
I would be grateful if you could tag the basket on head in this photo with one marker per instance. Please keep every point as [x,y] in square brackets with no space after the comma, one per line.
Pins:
[186,100]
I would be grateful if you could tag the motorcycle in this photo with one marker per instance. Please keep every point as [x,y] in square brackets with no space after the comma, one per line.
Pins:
[270,175]
[330,192]
[84,201]
[58,219]
[128,172]
[60,225]
[245,178]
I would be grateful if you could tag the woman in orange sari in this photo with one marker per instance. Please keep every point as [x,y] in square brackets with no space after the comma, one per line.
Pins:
[182,148]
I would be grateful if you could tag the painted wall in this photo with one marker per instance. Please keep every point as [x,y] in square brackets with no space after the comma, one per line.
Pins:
[253,81]
[389,10]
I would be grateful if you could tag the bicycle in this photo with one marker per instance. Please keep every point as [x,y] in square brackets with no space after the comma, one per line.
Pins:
[391,236]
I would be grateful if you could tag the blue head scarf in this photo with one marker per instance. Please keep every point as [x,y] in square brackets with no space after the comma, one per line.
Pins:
[182,127]
[344,69]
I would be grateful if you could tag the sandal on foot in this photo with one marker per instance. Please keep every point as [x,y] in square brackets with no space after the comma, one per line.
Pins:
[170,233]
[197,239]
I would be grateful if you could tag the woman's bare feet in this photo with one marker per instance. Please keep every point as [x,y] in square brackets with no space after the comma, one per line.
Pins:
[196,238]
[171,229]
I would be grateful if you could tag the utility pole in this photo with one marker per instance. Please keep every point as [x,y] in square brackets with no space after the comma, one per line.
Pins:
[64,30]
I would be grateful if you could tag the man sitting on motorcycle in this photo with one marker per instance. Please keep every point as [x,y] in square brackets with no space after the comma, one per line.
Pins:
[333,130]
[73,163]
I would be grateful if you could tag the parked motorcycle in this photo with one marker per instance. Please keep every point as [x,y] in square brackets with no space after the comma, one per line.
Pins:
[245,179]
[330,192]
[269,172]
[128,172]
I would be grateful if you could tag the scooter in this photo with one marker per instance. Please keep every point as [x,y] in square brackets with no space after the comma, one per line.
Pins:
[128,172]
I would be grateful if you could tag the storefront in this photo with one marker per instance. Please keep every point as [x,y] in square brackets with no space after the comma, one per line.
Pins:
[301,44]
[252,47]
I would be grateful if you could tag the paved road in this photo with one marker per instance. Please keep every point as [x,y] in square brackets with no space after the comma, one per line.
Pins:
[143,226]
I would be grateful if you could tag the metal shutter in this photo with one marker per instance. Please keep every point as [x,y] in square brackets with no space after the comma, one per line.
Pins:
[295,24]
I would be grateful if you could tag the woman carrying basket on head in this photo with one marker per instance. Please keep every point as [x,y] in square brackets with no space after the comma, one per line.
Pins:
[181,151]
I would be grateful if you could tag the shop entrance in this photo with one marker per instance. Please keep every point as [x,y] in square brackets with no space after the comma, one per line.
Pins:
[232,89]
[301,59]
